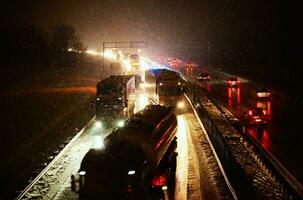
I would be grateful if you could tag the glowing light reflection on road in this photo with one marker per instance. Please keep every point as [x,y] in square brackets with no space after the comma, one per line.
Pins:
[182,162]
[143,100]
[98,142]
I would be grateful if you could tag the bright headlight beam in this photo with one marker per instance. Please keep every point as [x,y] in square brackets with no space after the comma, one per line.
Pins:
[98,124]
[120,123]
[131,172]
[181,104]
[99,143]
[82,173]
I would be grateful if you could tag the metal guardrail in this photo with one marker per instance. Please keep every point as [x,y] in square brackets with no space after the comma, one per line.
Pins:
[290,187]
[32,183]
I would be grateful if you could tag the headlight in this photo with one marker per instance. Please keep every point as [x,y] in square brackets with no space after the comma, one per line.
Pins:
[82,173]
[98,124]
[131,172]
[180,104]
[120,123]
[161,84]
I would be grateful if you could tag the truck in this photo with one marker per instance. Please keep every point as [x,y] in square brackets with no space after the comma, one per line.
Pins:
[134,61]
[169,89]
[115,99]
[149,85]
[138,161]
[168,82]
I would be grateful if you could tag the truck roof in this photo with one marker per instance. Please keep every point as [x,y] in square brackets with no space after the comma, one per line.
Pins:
[165,74]
[113,83]
[149,117]
[152,128]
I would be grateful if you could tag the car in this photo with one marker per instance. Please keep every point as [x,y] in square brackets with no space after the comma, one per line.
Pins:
[256,115]
[262,92]
[233,81]
[203,77]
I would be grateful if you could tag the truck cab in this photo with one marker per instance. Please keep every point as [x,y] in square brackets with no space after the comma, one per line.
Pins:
[134,60]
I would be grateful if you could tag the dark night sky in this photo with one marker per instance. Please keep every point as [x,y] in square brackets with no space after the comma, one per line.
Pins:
[178,24]
[97,21]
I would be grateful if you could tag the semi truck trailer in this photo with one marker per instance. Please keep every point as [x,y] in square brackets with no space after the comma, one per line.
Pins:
[138,161]
[115,99]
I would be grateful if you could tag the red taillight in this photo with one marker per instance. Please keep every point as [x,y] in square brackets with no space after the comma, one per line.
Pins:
[159,181]
[229,82]
[250,112]
[130,188]
[264,112]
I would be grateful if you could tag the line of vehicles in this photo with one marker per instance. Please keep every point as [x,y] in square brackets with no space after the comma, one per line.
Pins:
[259,114]
[256,115]
[138,160]
[116,94]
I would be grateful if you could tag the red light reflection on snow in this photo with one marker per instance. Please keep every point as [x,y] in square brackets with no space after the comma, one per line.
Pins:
[265,105]
[265,139]
[269,107]
[208,87]
[238,95]
[261,135]
[233,94]
[189,70]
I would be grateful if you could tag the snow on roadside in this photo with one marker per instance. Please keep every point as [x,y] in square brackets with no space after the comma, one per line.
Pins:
[212,183]
[49,184]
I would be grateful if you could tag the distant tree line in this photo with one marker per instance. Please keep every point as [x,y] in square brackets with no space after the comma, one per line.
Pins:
[28,44]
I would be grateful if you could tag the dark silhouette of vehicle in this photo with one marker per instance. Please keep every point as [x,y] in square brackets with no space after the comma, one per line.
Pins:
[256,115]
[168,82]
[203,77]
[115,99]
[138,160]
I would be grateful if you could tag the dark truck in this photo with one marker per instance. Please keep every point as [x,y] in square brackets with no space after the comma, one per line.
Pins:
[115,99]
[138,161]
[169,88]
[168,82]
